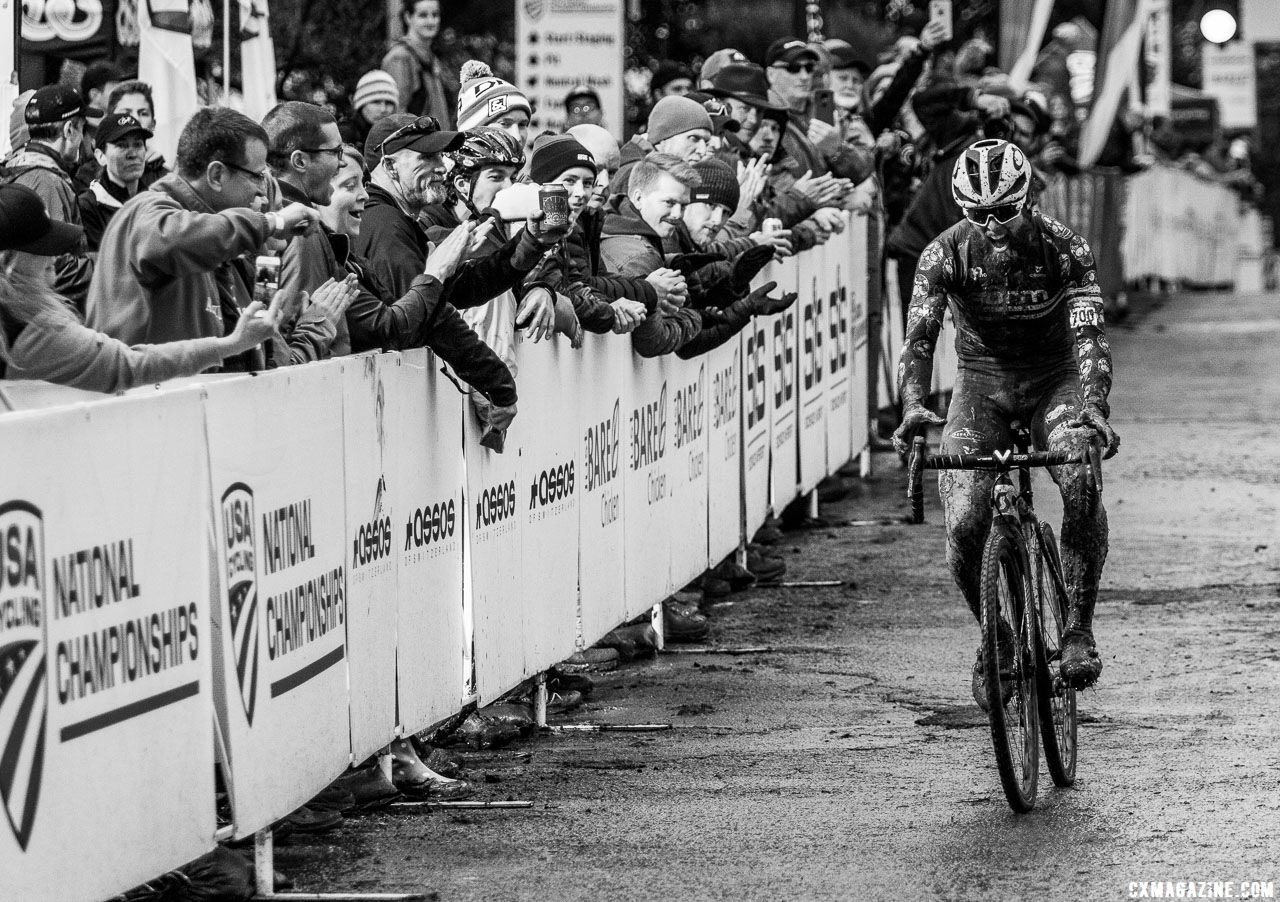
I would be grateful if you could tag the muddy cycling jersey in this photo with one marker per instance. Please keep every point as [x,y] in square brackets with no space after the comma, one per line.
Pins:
[1029,307]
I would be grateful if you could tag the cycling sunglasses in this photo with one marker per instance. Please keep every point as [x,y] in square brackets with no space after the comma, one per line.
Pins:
[1001,213]
[423,125]
[797,68]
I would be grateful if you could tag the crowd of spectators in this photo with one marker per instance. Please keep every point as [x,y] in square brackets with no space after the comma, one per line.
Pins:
[416,221]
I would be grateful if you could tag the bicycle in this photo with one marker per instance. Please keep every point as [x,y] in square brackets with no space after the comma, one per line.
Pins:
[1026,695]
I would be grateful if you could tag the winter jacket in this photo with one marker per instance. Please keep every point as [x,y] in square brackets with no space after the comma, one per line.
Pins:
[583,245]
[163,265]
[308,261]
[39,167]
[97,205]
[153,170]
[426,87]
[631,153]
[844,159]
[55,347]
[559,271]
[630,247]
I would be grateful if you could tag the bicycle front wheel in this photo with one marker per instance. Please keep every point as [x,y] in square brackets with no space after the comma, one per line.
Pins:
[1008,640]
[1057,698]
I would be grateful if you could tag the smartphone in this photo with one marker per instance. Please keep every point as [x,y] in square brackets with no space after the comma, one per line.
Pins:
[940,11]
[824,105]
[266,278]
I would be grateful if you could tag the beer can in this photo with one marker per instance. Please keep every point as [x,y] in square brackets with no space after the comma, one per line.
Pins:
[554,201]
[770,225]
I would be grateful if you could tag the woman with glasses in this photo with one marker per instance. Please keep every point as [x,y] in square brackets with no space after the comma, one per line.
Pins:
[1023,292]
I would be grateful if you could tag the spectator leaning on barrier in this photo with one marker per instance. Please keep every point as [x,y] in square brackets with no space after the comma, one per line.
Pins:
[305,152]
[486,99]
[121,150]
[426,87]
[167,263]
[42,340]
[582,107]
[55,118]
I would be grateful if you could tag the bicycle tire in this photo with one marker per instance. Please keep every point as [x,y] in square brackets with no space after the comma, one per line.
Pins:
[1058,716]
[1015,725]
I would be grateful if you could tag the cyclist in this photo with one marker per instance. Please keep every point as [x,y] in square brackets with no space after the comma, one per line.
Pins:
[1032,349]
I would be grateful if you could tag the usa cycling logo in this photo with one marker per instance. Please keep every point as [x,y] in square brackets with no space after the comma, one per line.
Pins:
[241,583]
[24,707]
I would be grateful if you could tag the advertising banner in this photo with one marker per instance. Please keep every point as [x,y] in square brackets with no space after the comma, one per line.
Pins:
[724,451]
[649,513]
[276,464]
[106,708]
[687,467]
[784,329]
[810,311]
[566,44]
[856,254]
[371,553]
[756,407]
[493,557]
[841,293]
[424,423]
[1229,75]
[603,462]
[549,490]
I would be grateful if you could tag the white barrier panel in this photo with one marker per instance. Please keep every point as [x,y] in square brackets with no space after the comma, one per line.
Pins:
[492,559]
[105,682]
[276,465]
[756,394]
[647,489]
[724,451]
[1180,228]
[810,311]
[892,333]
[548,502]
[371,552]
[424,428]
[856,253]
[603,464]
[784,445]
[687,467]
[840,296]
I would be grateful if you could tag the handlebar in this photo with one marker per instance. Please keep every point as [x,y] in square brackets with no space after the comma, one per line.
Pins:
[997,461]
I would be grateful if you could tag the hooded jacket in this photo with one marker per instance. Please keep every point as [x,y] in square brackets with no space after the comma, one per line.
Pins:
[308,261]
[97,205]
[630,247]
[39,167]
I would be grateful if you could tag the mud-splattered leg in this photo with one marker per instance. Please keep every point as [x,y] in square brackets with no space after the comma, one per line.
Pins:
[966,506]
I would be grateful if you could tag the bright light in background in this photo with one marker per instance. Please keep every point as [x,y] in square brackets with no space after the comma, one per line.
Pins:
[1218,26]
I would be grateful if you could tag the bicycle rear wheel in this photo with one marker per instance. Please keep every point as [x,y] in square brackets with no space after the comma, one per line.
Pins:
[1057,698]
[1015,720]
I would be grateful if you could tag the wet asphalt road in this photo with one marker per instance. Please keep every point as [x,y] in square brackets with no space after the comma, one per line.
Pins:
[851,763]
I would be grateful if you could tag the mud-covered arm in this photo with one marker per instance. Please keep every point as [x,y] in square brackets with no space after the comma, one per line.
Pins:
[924,323]
[1084,306]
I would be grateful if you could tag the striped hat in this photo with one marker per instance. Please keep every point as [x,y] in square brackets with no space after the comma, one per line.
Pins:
[375,85]
[485,98]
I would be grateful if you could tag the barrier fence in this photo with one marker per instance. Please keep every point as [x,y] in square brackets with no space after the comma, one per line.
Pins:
[295,568]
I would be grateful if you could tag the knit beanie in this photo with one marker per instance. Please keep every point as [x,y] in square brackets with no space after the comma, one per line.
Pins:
[375,85]
[676,115]
[719,184]
[484,97]
[554,155]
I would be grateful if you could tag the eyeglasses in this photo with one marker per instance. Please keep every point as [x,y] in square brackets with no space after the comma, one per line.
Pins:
[1002,213]
[423,125]
[336,151]
[258,178]
[797,68]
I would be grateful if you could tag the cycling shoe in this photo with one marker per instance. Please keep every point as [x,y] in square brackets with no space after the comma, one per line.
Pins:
[978,682]
[1081,665]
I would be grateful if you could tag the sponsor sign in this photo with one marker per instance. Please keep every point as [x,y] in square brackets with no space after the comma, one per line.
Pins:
[784,405]
[724,450]
[550,489]
[648,449]
[811,314]
[564,44]
[687,467]
[281,565]
[854,242]
[603,448]
[844,405]
[1230,76]
[105,662]
[424,425]
[756,411]
[371,551]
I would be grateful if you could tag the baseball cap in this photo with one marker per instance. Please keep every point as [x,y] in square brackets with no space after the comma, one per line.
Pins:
[116,126]
[423,135]
[381,130]
[57,103]
[843,56]
[788,50]
[25,225]
[717,61]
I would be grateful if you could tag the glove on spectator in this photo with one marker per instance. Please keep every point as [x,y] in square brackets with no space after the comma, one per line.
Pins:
[748,266]
[761,304]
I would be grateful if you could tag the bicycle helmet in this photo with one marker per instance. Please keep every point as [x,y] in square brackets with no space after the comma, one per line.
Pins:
[991,173]
[486,146]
